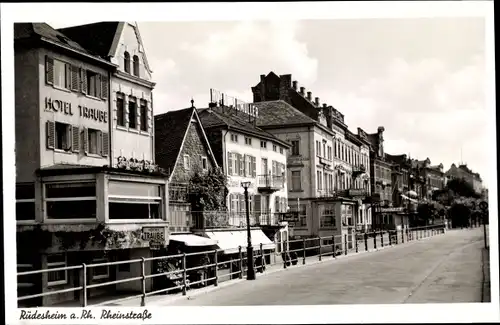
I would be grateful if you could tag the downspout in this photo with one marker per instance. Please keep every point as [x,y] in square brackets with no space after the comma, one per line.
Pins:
[110,120]
[152,131]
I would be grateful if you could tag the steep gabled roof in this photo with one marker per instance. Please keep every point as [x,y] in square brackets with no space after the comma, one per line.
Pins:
[44,32]
[97,37]
[170,131]
[227,117]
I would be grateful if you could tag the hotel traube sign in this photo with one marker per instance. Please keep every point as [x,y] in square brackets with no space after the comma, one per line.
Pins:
[55,105]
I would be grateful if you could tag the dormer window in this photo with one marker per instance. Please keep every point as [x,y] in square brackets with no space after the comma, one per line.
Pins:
[126,62]
[136,66]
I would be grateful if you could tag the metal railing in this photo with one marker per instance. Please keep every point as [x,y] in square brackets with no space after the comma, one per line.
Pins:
[218,269]
[224,219]
[271,181]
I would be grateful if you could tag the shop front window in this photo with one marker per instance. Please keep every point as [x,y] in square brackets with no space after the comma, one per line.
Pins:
[131,200]
[76,200]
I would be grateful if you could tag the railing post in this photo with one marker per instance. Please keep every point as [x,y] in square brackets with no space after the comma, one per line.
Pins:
[84,300]
[382,239]
[345,244]
[285,257]
[184,274]
[319,239]
[216,262]
[403,235]
[366,242]
[396,233]
[334,253]
[356,242]
[262,258]
[390,238]
[143,281]
[375,240]
[240,263]
[303,251]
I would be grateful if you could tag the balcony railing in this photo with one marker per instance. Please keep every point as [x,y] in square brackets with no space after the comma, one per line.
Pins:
[224,219]
[271,182]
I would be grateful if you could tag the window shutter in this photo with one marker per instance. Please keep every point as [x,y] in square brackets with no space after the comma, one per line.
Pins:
[49,70]
[229,163]
[254,167]
[51,134]
[83,80]
[104,86]
[242,165]
[67,76]
[256,203]
[69,134]
[74,78]
[75,137]
[105,144]
[86,140]
[276,204]
[242,202]
[98,85]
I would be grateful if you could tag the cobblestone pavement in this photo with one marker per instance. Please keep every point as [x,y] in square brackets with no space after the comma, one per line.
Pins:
[445,268]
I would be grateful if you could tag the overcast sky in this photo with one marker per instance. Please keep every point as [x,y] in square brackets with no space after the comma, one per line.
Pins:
[421,78]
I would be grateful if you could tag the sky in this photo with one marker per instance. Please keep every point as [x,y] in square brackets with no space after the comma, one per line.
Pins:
[423,79]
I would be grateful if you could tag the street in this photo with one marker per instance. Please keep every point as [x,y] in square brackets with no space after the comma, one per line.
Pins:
[441,269]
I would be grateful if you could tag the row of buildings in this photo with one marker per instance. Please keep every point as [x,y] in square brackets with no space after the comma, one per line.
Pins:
[100,178]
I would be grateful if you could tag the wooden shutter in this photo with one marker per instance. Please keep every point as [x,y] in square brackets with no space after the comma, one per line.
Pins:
[49,70]
[86,140]
[241,198]
[75,137]
[51,134]
[105,144]
[104,86]
[276,204]
[74,78]
[254,167]
[83,80]
[242,165]
[256,203]
[229,163]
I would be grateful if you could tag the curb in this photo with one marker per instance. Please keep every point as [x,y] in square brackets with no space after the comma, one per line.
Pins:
[197,292]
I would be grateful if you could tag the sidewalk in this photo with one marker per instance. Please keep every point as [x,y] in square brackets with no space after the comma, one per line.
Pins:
[486,290]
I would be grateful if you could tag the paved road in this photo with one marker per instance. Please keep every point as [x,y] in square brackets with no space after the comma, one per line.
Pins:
[444,268]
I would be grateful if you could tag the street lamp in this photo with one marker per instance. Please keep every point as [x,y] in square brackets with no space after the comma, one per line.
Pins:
[251,270]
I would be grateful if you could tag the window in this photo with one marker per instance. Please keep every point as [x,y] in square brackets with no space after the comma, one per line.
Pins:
[327,216]
[132,113]
[320,183]
[57,277]
[136,66]
[120,110]
[62,136]
[335,148]
[187,163]
[93,84]
[25,201]
[126,62]
[281,150]
[93,138]
[100,272]
[301,208]
[70,200]
[204,163]
[234,138]
[329,153]
[318,148]
[144,116]
[324,148]
[263,144]
[295,148]
[61,77]
[131,200]
[275,148]
[248,141]
[250,166]
[296,185]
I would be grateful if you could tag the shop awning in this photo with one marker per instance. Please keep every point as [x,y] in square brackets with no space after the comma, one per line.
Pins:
[229,241]
[193,240]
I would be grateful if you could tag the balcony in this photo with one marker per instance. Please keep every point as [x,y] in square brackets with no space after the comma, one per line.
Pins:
[224,219]
[358,170]
[267,184]
[327,193]
[325,161]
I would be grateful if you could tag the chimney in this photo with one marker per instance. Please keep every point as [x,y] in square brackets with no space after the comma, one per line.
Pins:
[309,96]
[294,85]
[302,91]
[263,87]
[316,101]
[325,105]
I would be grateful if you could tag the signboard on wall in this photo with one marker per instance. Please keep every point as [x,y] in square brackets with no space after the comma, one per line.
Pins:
[292,216]
[398,209]
[156,236]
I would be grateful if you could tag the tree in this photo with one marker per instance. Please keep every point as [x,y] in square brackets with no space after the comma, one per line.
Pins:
[459,213]
[462,188]
[208,190]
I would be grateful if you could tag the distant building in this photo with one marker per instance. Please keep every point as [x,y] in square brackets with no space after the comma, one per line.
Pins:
[328,165]
[403,204]
[433,177]
[463,172]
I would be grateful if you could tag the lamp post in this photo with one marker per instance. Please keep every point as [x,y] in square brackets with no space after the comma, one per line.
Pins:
[251,270]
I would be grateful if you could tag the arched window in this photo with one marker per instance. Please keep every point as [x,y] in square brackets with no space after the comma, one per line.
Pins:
[136,65]
[126,61]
